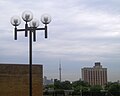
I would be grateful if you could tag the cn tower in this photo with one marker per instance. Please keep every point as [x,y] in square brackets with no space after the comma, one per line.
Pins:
[60,70]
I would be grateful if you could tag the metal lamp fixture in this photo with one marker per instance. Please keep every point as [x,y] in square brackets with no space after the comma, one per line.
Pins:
[27,16]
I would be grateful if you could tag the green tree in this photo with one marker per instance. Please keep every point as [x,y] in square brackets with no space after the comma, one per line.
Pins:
[50,86]
[80,86]
[66,85]
[96,88]
[57,84]
[80,83]
[114,87]
[108,85]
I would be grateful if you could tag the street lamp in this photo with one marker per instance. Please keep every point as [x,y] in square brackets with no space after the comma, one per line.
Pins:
[27,16]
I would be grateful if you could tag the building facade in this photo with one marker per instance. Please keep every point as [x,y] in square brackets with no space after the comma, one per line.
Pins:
[14,80]
[95,75]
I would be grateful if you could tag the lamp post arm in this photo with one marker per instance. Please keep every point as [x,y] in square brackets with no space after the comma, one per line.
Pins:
[45,28]
[40,28]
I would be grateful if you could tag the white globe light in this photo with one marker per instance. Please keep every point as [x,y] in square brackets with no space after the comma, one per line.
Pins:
[27,16]
[45,19]
[15,20]
[34,23]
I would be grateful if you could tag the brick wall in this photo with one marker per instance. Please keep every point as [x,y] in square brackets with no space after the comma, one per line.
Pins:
[14,80]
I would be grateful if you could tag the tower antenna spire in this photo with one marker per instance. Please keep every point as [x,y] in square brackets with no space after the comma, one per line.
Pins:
[60,70]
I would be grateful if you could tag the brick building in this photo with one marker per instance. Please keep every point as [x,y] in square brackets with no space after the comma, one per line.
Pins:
[14,80]
[95,75]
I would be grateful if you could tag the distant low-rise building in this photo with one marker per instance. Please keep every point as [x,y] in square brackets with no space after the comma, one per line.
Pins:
[14,80]
[95,75]
[47,81]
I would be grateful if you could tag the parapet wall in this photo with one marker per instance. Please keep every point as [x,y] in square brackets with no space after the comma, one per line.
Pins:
[14,80]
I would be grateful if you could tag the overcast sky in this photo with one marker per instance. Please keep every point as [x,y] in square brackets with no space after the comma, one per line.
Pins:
[81,33]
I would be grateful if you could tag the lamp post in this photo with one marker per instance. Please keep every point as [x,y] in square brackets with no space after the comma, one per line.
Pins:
[27,16]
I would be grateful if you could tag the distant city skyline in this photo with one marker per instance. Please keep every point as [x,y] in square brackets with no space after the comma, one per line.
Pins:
[79,75]
[47,81]
[81,32]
